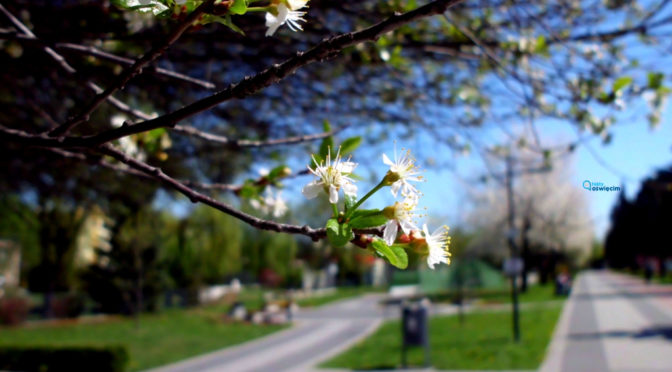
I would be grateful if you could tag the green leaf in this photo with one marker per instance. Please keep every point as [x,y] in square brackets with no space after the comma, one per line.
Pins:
[277,172]
[155,134]
[621,83]
[249,189]
[326,125]
[655,79]
[395,254]
[364,218]
[541,47]
[350,144]
[228,23]
[606,98]
[338,234]
[238,7]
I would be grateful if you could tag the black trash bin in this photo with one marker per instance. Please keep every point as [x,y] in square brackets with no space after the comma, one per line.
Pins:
[415,332]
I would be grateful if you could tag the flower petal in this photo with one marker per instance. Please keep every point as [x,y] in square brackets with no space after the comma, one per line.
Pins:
[347,167]
[297,4]
[312,189]
[407,226]
[387,160]
[430,262]
[333,194]
[395,188]
[350,189]
[273,22]
[390,233]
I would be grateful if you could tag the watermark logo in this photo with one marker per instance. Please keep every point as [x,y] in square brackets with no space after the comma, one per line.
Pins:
[598,186]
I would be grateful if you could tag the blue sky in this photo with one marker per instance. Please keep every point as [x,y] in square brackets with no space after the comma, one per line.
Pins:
[635,153]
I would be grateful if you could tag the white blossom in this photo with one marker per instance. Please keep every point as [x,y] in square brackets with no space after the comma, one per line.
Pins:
[127,144]
[269,204]
[331,178]
[286,13]
[402,171]
[438,243]
[400,214]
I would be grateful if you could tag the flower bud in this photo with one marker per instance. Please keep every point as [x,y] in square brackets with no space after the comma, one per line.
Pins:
[390,178]
[389,212]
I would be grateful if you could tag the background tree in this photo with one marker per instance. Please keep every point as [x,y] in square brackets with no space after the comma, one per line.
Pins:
[639,228]
[127,279]
[550,214]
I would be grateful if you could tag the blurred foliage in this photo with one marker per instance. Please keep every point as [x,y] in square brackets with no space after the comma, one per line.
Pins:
[203,248]
[128,278]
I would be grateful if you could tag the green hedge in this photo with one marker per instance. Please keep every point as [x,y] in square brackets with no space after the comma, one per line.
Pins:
[63,358]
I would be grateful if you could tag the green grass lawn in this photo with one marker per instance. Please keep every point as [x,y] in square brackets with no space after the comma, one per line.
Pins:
[162,338]
[484,341]
[534,293]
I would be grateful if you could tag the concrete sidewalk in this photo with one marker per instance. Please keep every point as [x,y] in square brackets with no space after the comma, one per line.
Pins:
[613,322]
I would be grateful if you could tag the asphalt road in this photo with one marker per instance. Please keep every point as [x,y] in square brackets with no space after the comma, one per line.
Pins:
[316,336]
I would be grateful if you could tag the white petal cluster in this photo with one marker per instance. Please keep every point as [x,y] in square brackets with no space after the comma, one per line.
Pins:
[332,177]
[438,243]
[286,12]
[404,170]
[269,204]
[127,144]
[146,6]
[401,214]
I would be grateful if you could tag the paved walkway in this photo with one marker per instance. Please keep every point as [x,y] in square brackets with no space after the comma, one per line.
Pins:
[613,322]
[317,335]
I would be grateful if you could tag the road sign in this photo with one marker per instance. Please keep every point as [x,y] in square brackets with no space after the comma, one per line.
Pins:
[513,266]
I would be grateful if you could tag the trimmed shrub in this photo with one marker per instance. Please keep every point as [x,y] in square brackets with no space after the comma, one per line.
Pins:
[67,305]
[63,358]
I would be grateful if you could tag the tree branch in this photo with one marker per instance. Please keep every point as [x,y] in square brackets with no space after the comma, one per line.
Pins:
[133,70]
[197,197]
[251,85]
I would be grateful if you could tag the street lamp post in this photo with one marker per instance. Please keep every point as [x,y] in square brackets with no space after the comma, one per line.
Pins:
[512,245]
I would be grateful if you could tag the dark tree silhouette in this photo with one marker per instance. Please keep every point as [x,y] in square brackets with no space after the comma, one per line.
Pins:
[640,228]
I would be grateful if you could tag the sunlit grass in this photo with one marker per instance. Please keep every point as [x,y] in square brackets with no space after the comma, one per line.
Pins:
[160,338]
[484,341]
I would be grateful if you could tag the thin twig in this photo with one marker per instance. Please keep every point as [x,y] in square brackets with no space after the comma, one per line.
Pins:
[63,63]
[133,70]
[263,180]
[89,50]
[241,143]
[95,52]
